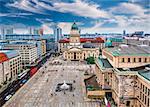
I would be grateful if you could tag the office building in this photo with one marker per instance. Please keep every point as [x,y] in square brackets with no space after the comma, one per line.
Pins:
[28,51]
[124,32]
[35,31]
[6,31]
[10,66]
[57,33]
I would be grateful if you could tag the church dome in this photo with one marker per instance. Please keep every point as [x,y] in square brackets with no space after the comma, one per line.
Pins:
[74,26]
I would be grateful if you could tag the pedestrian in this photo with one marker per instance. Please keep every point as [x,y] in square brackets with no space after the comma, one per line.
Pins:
[72,102]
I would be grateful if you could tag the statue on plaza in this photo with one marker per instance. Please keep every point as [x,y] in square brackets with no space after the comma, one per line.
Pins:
[64,86]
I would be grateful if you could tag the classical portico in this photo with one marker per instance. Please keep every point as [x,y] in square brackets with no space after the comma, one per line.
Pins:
[73,54]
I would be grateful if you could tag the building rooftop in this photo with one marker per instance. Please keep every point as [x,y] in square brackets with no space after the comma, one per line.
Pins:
[130,50]
[91,83]
[144,71]
[84,40]
[145,74]
[88,45]
[21,43]
[104,63]
[28,36]
[115,39]
[7,54]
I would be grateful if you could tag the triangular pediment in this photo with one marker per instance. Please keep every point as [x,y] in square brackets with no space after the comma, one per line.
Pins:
[74,49]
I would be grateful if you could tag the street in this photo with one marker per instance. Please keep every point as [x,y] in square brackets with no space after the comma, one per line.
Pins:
[39,91]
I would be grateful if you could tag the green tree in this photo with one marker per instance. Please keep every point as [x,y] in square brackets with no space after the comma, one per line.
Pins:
[90,60]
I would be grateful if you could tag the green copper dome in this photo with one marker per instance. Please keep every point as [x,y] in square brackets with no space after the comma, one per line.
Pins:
[74,26]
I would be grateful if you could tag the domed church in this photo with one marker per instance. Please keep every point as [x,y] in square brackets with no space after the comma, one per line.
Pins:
[74,47]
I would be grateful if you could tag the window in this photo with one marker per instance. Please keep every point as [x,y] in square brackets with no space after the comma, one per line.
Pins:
[145,90]
[128,59]
[122,59]
[140,95]
[139,59]
[145,60]
[148,103]
[128,103]
[134,60]
[145,100]
[149,92]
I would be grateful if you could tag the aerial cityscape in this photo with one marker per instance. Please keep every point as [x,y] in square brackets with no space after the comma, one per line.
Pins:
[74,53]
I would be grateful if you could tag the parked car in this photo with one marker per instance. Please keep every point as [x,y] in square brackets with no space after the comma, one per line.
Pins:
[8,97]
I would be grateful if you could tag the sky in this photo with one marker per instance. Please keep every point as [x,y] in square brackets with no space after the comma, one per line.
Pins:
[92,16]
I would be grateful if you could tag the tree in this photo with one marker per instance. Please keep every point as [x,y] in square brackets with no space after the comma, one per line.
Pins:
[90,60]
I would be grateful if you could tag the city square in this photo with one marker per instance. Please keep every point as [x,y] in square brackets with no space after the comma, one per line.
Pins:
[74,53]
[40,90]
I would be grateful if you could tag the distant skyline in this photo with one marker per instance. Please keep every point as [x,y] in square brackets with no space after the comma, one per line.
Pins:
[92,16]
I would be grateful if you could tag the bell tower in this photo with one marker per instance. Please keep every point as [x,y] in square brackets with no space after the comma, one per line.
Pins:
[74,34]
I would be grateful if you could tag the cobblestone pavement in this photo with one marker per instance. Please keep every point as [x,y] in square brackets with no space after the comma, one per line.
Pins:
[37,92]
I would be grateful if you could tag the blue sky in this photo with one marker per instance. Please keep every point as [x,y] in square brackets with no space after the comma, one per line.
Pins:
[101,16]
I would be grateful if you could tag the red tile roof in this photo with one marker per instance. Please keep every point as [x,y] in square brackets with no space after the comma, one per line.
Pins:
[64,41]
[83,40]
[3,57]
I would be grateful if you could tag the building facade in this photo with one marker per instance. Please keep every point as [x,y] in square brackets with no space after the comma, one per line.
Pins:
[76,48]
[57,33]
[127,56]
[10,66]
[6,31]
[28,51]
[127,82]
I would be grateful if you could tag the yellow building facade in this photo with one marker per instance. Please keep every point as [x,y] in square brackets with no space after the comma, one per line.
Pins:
[74,50]
[129,84]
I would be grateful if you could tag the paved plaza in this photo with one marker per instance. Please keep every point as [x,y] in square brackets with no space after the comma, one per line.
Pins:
[39,91]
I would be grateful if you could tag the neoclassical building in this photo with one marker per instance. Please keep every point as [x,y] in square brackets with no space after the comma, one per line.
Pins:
[123,73]
[76,48]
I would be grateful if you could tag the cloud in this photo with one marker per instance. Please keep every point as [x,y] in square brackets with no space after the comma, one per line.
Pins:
[3,14]
[131,24]
[127,15]
[44,20]
[81,8]
[47,28]
[27,5]
[21,15]
[128,8]
[130,16]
